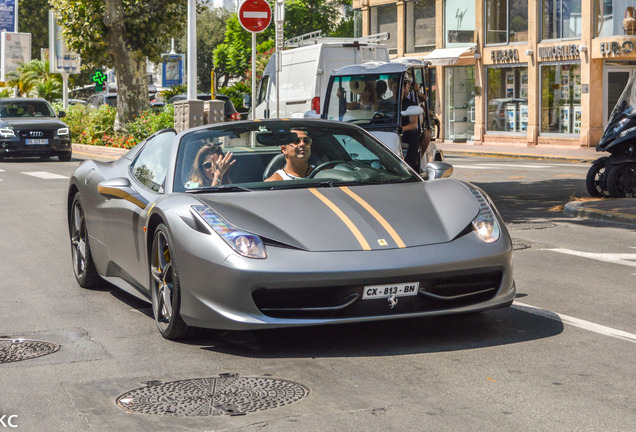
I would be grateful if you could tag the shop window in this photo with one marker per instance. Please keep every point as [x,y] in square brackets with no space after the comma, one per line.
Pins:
[610,15]
[506,21]
[507,99]
[561,98]
[561,19]
[357,23]
[384,19]
[420,25]
[459,115]
[459,23]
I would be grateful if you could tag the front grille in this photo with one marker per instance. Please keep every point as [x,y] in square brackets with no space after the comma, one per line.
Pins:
[24,134]
[435,293]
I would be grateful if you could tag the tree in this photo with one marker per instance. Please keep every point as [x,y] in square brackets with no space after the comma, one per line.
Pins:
[210,33]
[121,34]
[34,78]
[33,17]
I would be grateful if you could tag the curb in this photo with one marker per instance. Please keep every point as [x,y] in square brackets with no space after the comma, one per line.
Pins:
[576,209]
[519,156]
[91,151]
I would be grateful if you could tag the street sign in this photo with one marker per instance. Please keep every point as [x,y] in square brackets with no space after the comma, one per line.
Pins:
[254,15]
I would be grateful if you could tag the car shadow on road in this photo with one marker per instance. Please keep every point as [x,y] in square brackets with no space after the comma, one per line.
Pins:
[387,338]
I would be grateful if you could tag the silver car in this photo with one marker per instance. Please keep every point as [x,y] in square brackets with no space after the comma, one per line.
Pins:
[361,238]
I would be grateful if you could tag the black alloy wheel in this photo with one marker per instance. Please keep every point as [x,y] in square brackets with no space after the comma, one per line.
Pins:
[595,180]
[83,265]
[621,181]
[165,288]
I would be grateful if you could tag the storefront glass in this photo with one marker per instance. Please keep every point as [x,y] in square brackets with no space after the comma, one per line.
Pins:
[357,23]
[561,19]
[459,95]
[384,19]
[420,26]
[561,98]
[507,99]
[506,21]
[459,23]
[610,15]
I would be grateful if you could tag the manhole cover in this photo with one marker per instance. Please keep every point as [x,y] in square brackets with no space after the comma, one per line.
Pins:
[227,395]
[13,350]
[519,246]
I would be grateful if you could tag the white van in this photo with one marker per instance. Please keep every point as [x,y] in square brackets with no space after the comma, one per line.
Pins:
[305,73]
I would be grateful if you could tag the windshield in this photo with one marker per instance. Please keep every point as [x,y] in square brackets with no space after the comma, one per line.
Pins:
[626,105]
[364,99]
[26,109]
[275,154]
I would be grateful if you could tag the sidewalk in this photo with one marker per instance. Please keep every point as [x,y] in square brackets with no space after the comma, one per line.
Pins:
[608,209]
[603,209]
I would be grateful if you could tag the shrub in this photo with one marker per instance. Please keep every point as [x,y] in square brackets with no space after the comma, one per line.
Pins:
[149,122]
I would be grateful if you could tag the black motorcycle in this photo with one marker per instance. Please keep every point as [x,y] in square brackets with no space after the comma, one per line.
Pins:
[615,175]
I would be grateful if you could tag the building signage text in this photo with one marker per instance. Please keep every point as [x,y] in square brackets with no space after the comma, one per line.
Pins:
[608,48]
[504,55]
[558,51]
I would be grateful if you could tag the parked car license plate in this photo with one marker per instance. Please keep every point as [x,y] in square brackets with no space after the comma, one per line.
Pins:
[30,141]
[386,291]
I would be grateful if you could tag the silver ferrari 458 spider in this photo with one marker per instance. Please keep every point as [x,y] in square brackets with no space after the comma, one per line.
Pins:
[263,224]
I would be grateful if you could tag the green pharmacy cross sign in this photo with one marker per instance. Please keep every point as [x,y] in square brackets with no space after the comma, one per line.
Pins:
[98,78]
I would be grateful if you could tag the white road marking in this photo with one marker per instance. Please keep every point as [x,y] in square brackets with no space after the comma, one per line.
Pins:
[1,170]
[505,165]
[615,258]
[45,175]
[576,322]
[477,167]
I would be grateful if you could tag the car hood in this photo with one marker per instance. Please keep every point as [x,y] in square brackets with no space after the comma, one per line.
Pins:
[43,123]
[352,218]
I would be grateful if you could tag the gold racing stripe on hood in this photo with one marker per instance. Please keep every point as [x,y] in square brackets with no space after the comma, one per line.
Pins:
[354,230]
[394,235]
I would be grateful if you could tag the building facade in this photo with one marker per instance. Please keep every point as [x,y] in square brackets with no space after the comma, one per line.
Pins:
[526,72]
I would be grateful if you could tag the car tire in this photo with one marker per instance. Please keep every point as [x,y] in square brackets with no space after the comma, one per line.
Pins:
[165,288]
[65,157]
[621,181]
[83,265]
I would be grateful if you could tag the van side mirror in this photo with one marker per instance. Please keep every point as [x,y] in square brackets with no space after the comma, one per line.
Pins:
[247,101]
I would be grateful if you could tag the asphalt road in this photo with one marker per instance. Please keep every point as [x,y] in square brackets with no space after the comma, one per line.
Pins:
[561,359]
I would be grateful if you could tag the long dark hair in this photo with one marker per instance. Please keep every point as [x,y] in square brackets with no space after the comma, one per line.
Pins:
[196,174]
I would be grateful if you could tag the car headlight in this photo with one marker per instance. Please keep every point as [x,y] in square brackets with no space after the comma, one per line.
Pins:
[246,244]
[63,131]
[485,224]
[7,132]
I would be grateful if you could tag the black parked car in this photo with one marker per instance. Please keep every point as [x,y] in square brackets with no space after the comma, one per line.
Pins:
[30,127]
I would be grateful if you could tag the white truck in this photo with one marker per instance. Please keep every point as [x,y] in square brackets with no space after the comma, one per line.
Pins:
[306,69]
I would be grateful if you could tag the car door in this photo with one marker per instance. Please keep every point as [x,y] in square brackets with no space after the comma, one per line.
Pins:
[124,220]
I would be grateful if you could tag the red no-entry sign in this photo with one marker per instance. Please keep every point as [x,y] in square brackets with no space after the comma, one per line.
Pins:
[254,15]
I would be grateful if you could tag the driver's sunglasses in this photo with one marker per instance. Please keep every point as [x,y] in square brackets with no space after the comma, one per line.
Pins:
[305,141]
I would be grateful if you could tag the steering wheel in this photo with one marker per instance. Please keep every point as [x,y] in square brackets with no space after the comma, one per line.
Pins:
[378,115]
[328,164]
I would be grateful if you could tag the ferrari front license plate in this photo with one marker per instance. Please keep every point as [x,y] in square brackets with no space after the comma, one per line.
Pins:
[31,141]
[386,291]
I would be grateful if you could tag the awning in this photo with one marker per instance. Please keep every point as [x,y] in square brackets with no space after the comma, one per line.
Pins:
[447,56]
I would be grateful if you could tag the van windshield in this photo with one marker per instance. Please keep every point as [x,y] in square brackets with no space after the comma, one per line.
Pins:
[364,99]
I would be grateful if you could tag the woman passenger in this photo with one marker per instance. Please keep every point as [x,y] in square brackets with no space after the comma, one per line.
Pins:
[210,167]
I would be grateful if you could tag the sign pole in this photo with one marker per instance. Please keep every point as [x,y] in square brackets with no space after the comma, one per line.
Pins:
[64,90]
[253,75]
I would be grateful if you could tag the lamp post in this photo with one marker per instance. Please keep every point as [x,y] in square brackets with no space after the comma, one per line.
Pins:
[192,50]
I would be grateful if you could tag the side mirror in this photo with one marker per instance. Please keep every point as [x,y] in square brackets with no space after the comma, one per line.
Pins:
[61,114]
[436,170]
[413,110]
[120,188]
[312,114]
[247,101]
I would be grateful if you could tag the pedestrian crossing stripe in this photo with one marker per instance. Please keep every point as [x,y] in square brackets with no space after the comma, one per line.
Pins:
[45,175]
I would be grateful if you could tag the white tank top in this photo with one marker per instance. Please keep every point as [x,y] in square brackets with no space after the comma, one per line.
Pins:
[286,176]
